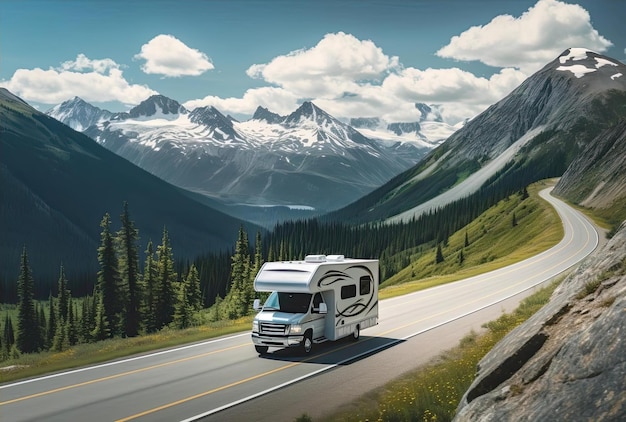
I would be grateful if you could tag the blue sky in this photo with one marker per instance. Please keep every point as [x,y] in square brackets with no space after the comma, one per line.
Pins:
[352,58]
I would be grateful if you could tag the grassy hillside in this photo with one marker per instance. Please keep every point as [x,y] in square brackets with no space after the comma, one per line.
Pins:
[493,242]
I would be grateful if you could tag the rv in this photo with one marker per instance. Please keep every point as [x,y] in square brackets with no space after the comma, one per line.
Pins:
[323,298]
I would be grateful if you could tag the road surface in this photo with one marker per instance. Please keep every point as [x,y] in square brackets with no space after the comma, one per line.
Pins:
[225,379]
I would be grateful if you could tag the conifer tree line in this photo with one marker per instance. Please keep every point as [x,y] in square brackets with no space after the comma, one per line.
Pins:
[128,299]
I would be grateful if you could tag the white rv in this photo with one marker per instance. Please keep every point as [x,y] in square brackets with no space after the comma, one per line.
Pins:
[321,298]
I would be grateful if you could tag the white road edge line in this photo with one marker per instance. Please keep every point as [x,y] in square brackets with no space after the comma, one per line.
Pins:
[118,362]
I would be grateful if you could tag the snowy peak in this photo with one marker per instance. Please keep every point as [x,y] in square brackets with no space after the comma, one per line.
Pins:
[264,114]
[309,111]
[429,113]
[580,62]
[221,126]
[402,128]
[78,114]
[427,131]
[157,106]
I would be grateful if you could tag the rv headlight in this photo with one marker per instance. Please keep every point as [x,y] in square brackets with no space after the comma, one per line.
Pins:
[255,326]
[295,329]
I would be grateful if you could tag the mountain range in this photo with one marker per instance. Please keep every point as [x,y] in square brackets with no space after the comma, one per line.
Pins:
[307,159]
[56,185]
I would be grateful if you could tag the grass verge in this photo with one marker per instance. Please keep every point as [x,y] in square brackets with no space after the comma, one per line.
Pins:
[30,365]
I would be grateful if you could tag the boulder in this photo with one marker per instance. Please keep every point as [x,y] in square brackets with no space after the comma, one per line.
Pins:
[568,361]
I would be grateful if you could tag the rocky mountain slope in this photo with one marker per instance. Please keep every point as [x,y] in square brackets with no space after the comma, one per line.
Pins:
[596,178]
[56,184]
[307,158]
[535,132]
[568,361]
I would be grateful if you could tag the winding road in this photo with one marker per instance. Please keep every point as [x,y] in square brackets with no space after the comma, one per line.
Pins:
[225,379]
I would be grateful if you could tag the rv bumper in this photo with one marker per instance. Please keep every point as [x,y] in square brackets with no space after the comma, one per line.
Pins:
[287,341]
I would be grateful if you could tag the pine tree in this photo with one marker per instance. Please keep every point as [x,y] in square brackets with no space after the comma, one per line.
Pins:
[28,331]
[128,237]
[108,277]
[183,314]
[52,322]
[60,342]
[439,255]
[258,263]
[72,328]
[8,335]
[514,220]
[466,239]
[87,321]
[239,294]
[166,277]
[43,326]
[63,295]
[461,257]
[216,309]
[101,330]
[149,302]
[192,286]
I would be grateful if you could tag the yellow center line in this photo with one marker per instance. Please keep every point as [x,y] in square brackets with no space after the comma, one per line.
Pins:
[136,371]
[206,393]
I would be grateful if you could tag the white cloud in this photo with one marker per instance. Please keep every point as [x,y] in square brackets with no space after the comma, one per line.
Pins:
[168,56]
[452,85]
[530,41]
[337,64]
[83,62]
[275,99]
[104,81]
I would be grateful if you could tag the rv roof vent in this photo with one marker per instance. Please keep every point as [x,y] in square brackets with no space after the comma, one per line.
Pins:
[335,258]
[315,258]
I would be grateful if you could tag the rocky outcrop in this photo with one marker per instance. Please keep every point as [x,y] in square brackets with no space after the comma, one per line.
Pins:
[567,362]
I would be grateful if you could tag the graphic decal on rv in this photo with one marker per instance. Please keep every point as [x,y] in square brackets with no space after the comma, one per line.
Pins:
[361,303]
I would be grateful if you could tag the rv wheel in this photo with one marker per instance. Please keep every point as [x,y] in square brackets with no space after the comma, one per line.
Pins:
[307,343]
[261,349]
[356,333]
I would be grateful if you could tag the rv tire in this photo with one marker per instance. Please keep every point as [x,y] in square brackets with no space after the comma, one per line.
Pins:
[261,350]
[307,343]
[357,333]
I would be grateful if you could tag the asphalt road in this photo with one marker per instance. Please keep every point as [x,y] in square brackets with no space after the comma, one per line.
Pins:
[224,379]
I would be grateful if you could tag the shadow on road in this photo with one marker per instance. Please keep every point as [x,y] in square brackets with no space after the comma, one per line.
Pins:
[341,352]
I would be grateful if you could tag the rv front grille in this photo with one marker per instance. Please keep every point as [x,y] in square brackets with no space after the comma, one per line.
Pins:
[273,329]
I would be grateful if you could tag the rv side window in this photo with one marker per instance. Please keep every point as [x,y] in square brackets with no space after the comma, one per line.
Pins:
[348,291]
[365,285]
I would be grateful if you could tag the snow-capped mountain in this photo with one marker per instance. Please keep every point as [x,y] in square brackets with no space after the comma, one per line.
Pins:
[306,158]
[78,114]
[427,133]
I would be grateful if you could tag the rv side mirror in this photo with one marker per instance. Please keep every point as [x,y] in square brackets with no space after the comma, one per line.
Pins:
[256,305]
[323,308]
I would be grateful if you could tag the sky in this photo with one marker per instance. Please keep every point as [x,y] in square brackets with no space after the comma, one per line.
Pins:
[352,58]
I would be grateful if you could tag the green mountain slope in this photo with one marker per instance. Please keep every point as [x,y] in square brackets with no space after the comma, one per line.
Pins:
[56,185]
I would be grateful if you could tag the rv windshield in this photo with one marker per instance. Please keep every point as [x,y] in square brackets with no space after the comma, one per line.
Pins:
[295,303]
